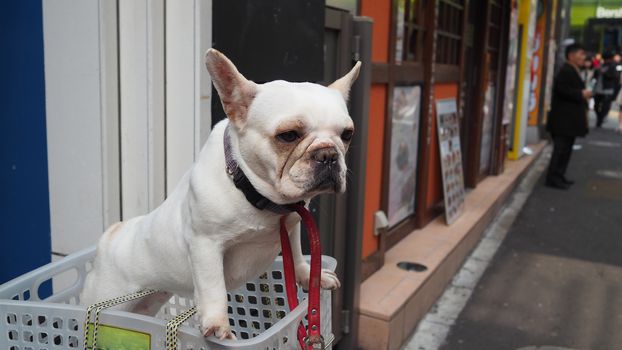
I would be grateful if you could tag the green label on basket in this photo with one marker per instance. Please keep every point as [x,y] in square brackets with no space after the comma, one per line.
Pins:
[109,338]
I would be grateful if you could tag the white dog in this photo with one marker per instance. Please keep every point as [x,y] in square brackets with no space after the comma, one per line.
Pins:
[289,140]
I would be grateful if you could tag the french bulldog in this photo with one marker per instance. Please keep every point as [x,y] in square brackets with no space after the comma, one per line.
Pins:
[289,139]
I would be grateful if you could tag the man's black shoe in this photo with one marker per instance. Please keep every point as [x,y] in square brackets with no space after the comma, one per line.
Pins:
[568,182]
[557,185]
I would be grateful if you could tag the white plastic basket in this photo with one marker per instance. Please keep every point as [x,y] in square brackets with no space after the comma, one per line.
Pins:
[258,313]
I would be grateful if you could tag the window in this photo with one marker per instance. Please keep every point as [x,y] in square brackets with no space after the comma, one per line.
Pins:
[494,37]
[449,32]
[409,38]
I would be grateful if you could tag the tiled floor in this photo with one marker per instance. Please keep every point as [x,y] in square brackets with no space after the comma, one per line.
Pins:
[433,329]
[393,300]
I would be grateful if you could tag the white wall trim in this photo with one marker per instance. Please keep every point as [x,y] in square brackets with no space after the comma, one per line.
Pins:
[109,107]
[141,65]
[203,41]
[188,86]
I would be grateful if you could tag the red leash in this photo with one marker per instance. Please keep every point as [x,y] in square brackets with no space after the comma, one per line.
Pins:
[306,340]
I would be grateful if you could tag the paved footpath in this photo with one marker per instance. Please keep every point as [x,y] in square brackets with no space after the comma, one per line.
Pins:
[556,280]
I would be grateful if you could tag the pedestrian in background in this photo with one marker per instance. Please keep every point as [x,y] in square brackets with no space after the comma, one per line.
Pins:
[607,85]
[597,60]
[619,102]
[568,116]
[587,74]
[617,61]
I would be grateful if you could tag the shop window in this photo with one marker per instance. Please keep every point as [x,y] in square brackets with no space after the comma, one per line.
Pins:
[449,31]
[494,37]
[410,31]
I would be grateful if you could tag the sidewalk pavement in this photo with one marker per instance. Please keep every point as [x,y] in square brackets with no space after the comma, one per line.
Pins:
[556,280]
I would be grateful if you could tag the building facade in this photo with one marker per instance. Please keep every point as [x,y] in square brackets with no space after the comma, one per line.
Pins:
[450,90]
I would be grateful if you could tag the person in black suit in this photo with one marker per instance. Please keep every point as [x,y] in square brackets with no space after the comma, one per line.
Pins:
[568,116]
[607,88]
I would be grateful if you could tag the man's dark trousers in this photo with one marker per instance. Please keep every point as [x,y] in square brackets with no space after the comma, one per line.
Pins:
[602,105]
[562,150]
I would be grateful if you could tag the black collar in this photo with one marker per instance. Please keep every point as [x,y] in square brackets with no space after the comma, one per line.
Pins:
[243,184]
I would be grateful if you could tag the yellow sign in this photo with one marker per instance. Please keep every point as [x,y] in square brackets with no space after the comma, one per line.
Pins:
[115,338]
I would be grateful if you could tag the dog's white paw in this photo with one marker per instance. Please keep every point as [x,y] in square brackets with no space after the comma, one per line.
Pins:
[217,326]
[328,279]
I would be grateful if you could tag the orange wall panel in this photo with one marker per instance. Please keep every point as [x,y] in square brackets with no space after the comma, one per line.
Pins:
[380,12]
[435,180]
[373,177]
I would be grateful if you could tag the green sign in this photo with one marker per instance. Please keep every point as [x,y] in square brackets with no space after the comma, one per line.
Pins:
[582,10]
[115,338]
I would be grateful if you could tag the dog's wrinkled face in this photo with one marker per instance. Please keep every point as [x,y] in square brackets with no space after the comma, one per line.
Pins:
[291,137]
[296,138]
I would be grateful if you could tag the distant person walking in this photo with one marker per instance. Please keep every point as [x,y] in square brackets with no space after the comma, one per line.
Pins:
[568,116]
[607,85]
[587,74]
[597,61]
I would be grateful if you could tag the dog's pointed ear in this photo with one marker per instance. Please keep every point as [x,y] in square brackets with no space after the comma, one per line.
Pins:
[344,83]
[235,91]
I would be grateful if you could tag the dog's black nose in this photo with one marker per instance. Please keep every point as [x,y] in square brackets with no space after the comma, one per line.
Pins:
[326,156]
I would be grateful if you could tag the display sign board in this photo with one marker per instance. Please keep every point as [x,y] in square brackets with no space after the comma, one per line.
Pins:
[485,150]
[511,86]
[448,127]
[404,147]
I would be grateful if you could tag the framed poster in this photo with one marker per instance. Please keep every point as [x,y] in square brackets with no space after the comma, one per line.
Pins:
[485,150]
[405,115]
[399,32]
[448,127]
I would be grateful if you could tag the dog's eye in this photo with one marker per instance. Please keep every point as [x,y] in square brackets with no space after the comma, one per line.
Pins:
[288,136]
[346,135]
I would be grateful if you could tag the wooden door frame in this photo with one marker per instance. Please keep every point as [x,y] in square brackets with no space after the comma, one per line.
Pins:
[425,213]
[473,175]
[499,139]
[435,73]
[411,73]
[475,120]
[404,73]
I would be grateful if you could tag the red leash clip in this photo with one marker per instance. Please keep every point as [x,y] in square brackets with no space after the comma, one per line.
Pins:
[313,337]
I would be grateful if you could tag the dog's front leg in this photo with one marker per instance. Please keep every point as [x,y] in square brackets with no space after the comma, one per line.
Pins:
[210,292]
[329,279]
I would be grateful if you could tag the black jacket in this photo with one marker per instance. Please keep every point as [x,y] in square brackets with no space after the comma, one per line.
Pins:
[568,115]
[610,78]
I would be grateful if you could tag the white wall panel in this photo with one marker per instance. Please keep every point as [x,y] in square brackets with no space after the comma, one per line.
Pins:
[109,116]
[180,89]
[141,64]
[188,35]
[128,108]
[80,118]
